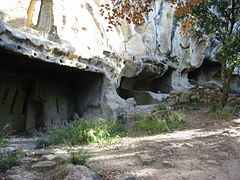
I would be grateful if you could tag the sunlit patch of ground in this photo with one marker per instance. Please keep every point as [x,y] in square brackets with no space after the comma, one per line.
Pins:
[208,148]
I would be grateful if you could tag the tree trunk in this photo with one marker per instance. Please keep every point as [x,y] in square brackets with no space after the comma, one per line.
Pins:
[226,76]
[224,97]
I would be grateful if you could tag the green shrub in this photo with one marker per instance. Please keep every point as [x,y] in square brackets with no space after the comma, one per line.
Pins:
[163,106]
[79,157]
[11,159]
[4,134]
[83,132]
[221,112]
[159,124]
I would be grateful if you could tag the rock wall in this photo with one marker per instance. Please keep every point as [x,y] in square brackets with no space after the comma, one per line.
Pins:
[72,33]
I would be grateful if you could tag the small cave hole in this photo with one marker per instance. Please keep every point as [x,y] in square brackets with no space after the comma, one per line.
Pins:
[144,90]
[209,71]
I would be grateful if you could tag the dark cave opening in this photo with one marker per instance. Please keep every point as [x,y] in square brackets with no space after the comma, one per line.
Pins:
[39,95]
[208,71]
[145,90]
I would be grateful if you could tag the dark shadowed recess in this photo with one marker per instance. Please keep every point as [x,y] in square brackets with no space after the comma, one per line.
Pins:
[208,71]
[36,95]
[140,87]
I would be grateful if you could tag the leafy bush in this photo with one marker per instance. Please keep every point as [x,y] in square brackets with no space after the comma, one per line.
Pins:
[163,106]
[79,157]
[83,132]
[163,122]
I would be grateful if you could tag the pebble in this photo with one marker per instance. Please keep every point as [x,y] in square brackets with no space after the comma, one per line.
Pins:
[166,150]
[168,164]
[213,162]
[204,157]
[222,155]
[188,145]
[146,159]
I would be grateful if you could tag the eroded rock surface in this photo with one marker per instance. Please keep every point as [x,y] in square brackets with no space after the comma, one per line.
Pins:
[110,67]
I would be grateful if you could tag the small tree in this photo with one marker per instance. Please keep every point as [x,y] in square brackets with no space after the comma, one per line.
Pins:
[218,19]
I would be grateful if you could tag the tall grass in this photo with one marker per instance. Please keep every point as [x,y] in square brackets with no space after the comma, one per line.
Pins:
[83,132]
[163,122]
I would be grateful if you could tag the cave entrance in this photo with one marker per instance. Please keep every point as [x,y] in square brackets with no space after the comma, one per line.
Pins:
[144,90]
[36,95]
[208,71]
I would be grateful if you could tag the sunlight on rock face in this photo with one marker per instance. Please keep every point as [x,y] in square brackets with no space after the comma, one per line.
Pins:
[236,121]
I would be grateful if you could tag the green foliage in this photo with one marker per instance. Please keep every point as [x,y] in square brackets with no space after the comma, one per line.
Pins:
[83,132]
[221,112]
[163,106]
[160,123]
[79,157]
[11,159]
[219,20]
[4,134]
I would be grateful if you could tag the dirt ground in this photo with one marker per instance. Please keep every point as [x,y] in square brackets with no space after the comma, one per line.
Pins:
[206,149]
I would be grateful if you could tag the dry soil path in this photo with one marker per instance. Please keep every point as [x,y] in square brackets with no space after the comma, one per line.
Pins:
[207,149]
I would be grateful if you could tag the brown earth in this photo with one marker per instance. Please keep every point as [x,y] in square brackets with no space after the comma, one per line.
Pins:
[206,148]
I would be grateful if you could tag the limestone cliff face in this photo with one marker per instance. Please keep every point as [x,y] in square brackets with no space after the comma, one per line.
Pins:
[153,57]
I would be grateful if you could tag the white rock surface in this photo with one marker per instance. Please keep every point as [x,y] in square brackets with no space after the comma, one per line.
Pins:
[72,33]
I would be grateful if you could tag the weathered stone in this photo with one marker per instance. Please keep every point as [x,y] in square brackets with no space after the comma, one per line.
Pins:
[25,176]
[44,165]
[48,157]
[41,152]
[28,160]
[126,177]
[146,159]
[189,145]
[83,59]
[166,150]
[168,164]
[204,157]
[7,150]
[222,155]
[213,162]
[19,173]
[72,172]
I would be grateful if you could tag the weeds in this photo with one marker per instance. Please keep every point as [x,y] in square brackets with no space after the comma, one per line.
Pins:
[79,157]
[11,159]
[221,112]
[83,132]
[163,106]
[163,122]
[4,134]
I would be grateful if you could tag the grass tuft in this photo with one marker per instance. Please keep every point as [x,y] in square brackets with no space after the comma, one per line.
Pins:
[4,134]
[163,106]
[221,112]
[11,159]
[159,123]
[83,132]
[79,157]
